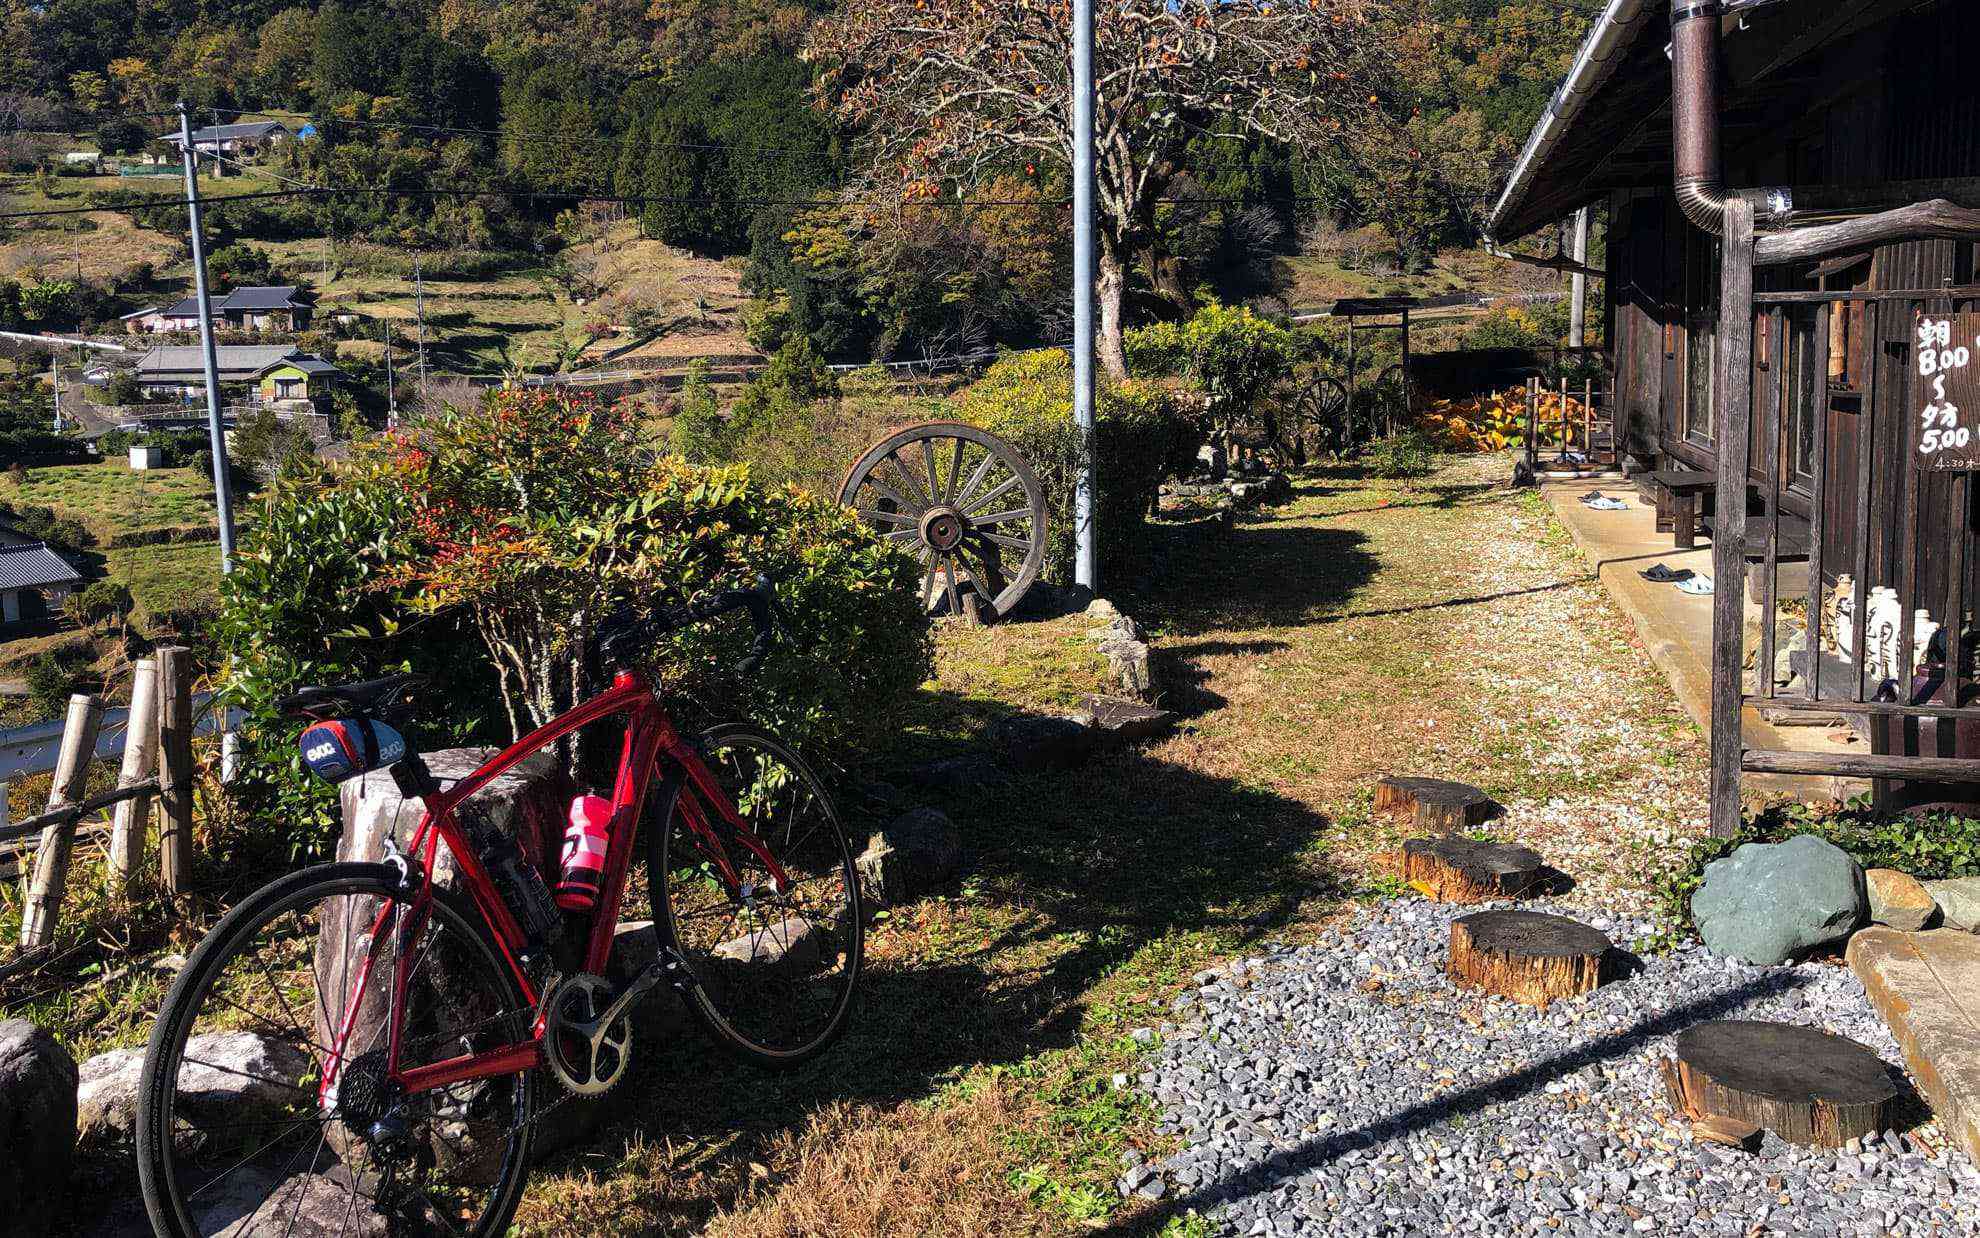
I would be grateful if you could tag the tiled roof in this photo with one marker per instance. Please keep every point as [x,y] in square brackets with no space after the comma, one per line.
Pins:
[32,566]
[236,361]
[258,298]
[225,133]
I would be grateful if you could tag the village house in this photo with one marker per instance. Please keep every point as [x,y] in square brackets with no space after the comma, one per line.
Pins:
[283,307]
[1852,134]
[239,141]
[277,372]
[34,582]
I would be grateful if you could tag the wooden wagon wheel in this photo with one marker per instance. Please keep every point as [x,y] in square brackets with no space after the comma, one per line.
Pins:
[965,502]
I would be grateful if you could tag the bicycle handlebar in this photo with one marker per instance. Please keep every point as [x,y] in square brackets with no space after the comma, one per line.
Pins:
[765,615]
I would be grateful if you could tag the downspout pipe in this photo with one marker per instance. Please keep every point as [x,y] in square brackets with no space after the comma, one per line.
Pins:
[1697,165]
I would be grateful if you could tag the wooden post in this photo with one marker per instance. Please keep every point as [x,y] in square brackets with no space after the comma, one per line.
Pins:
[1350,381]
[43,908]
[175,771]
[1405,364]
[1733,383]
[140,762]
[1532,423]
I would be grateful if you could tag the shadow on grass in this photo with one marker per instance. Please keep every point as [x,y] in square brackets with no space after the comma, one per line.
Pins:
[1204,578]
[1114,874]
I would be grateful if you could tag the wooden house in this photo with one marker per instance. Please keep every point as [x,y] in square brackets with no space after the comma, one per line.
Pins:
[1850,134]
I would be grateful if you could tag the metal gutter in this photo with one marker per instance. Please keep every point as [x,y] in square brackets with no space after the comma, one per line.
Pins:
[1607,40]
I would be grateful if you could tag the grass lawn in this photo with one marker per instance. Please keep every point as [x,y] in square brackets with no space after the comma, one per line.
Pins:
[167,578]
[111,499]
[1444,627]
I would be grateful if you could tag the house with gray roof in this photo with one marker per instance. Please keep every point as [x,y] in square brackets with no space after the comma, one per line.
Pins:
[277,371]
[34,582]
[284,307]
[242,140]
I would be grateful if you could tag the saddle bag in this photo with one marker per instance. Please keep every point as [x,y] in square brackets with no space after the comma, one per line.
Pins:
[343,748]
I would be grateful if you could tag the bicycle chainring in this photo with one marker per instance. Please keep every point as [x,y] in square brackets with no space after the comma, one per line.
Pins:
[588,1059]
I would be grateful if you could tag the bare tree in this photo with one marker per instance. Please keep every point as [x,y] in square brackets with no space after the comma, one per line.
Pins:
[946,92]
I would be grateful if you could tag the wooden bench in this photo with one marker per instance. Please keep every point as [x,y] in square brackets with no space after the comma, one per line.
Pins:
[1675,493]
[1794,536]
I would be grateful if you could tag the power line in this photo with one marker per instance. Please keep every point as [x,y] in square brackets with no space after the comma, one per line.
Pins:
[464,130]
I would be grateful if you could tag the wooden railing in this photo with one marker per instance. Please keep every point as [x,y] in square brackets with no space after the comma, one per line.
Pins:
[157,762]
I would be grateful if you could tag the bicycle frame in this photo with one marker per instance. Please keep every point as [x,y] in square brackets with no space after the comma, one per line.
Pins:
[651,737]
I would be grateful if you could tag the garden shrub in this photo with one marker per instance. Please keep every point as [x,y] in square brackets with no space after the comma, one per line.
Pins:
[1928,846]
[1405,454]
[56,674]
[1233,355]
[1026,398]
[484,545]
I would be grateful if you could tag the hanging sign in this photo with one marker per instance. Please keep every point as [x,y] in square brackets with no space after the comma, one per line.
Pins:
[1945,429]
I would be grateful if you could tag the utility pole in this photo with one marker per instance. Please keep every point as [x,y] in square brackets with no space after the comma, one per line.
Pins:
[1084,568]
[55,377]
[223,490]
[1578,311]
[391,389]
[419,308]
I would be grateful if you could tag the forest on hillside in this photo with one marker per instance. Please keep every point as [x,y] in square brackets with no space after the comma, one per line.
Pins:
[487,129]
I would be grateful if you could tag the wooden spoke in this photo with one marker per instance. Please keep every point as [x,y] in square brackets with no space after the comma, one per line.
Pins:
[928,462]
[1016,513]
[976,479]
[949,584]
[909,482]
[995,492]
[887,491]
[904,535]
[1001,540]
[874,513]
[928,581]
[955,472]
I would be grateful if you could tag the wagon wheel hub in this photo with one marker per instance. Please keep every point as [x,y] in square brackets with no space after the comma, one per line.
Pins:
[942,528]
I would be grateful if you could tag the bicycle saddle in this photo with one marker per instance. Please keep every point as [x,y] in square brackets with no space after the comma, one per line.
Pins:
[365,698]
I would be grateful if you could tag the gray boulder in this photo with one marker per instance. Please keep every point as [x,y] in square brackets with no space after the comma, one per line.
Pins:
[1767,903]
[231,1077]
[1959,900]
[1115,722]
[37,1122]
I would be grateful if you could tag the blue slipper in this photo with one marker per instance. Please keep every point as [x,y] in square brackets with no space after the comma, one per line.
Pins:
[1701,585]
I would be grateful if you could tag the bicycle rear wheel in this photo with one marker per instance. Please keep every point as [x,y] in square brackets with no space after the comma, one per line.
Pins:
[237,1133]
[774,969]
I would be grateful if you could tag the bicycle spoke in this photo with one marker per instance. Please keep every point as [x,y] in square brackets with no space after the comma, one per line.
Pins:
[302,1190]
[250,1156]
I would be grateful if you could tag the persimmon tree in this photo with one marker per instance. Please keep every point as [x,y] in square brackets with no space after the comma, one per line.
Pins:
[948,93]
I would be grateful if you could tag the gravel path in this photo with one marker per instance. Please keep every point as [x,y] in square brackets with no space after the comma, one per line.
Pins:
[1345,1087]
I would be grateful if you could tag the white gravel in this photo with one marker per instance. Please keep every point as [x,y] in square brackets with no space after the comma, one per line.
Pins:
[1346,1087]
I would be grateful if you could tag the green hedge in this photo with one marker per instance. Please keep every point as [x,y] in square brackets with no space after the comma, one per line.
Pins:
[1139,427]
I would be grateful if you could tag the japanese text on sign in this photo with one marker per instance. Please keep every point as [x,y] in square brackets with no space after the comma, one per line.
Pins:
[1943,431]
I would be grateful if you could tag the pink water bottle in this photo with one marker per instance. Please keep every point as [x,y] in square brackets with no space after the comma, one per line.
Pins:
[584,853]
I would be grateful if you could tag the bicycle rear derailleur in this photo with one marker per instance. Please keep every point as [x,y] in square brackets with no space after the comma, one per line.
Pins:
[587,1028]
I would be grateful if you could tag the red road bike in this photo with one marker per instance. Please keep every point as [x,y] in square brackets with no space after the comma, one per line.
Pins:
[360,1047]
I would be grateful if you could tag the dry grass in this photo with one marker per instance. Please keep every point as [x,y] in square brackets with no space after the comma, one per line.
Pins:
[859,1170]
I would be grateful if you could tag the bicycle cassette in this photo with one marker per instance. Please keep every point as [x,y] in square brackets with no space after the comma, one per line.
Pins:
[587,1043]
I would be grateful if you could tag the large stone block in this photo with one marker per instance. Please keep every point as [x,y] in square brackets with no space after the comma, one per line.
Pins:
[1767,903]
[37,1125]
[227,1077]
[924,845]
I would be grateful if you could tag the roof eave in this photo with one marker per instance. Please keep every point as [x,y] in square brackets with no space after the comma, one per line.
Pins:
[1607,40]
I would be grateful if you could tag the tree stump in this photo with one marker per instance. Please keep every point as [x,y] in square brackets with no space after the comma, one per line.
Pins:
[1808,1086]
[1463,870]
[1436,803]
[1528,956]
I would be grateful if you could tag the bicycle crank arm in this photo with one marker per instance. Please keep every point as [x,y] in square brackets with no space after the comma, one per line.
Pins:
[669,968]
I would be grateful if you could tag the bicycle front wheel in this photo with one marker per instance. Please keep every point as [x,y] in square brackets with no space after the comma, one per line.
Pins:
[265,1105]
[774,963]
